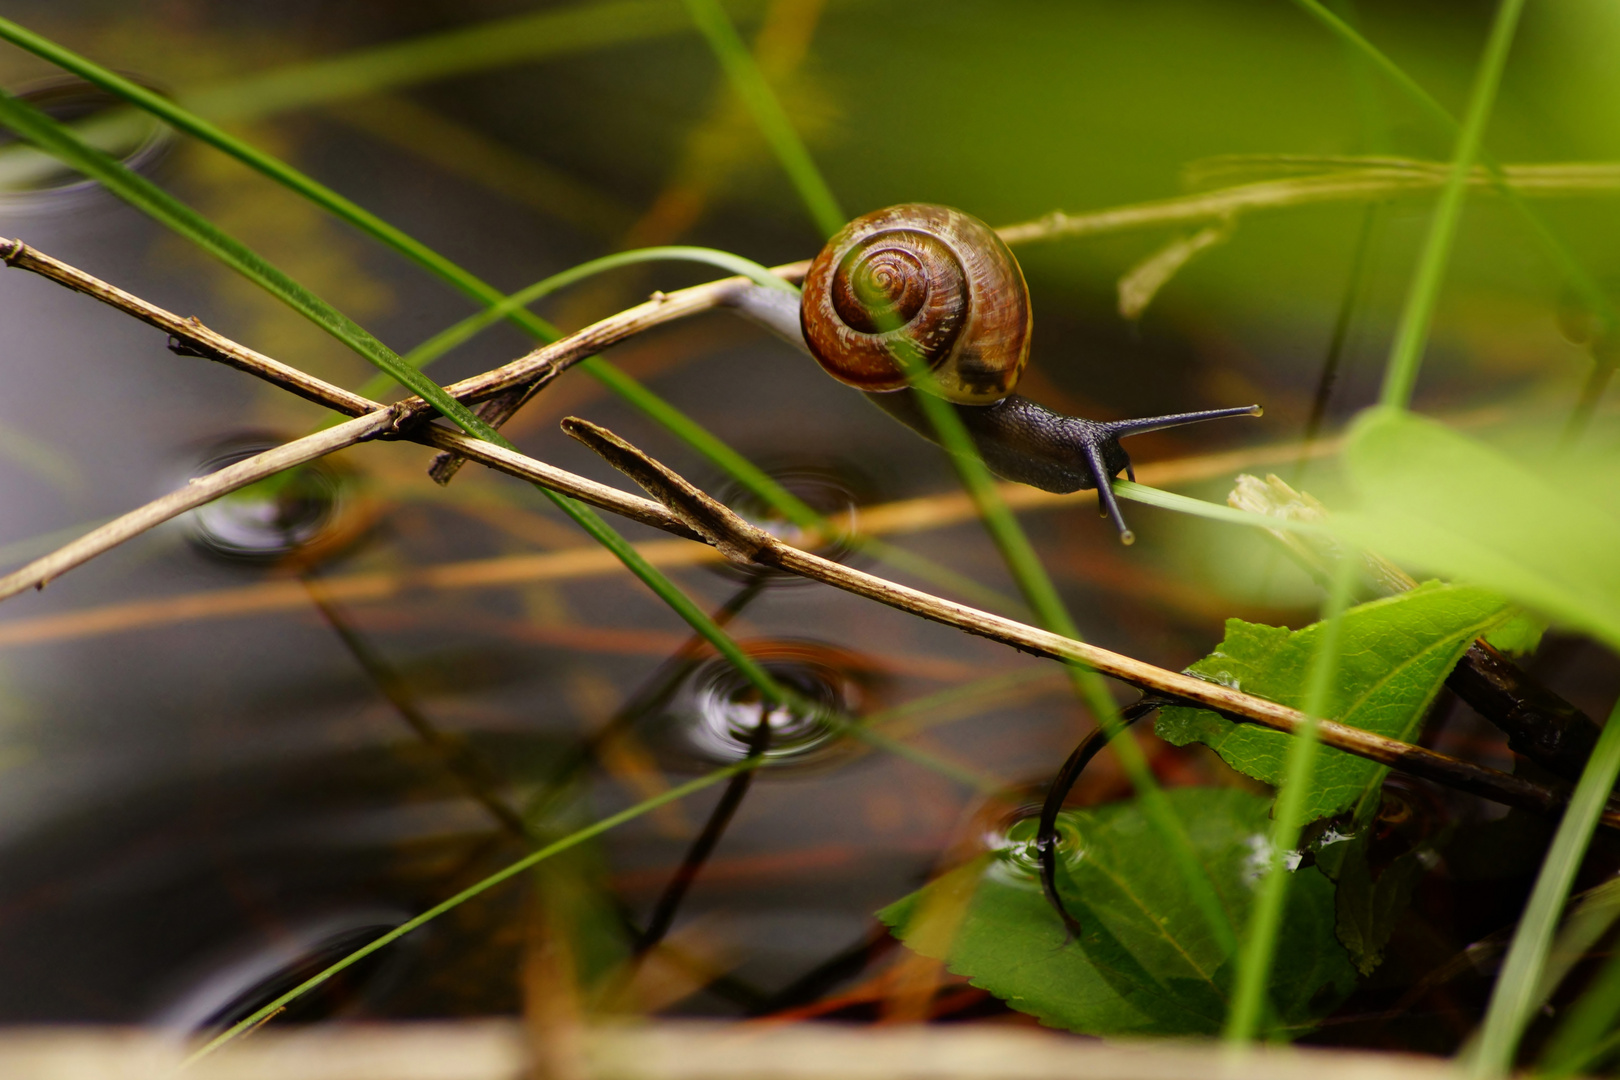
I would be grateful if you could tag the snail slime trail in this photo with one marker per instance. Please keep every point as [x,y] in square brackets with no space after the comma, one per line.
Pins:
[944,282]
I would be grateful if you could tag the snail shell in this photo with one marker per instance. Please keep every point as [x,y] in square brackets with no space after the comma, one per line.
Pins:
[936,276]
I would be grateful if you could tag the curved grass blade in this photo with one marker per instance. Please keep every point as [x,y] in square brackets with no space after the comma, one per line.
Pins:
[797,511]
[589,832]
[557,847]
[152,200]
[52,137]
[1412,334]
[144,195]
[458,333]
[750,84]
[147,197]
[682,426]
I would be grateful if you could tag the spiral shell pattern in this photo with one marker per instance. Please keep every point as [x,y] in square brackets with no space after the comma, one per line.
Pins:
[930,275]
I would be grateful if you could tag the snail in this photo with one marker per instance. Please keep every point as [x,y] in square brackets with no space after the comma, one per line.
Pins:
[943,281]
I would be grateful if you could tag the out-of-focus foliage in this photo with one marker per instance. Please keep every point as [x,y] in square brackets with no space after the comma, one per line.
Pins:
[1447,503]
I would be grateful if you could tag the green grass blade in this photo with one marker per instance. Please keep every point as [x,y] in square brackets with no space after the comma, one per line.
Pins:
[796,510]
[683,427]
[1412,333]
[557,847]
[51,136]
[1513,1000]
[680,425]
[146,196]
[863,730]
[1591,293]
[60,142]
[1265,922]
[768,113]
[1003,527]
[256,159]
[463,331]
[1050,611]
[152,200]
[1580,1038]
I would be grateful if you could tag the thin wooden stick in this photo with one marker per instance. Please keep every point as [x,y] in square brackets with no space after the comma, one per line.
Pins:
[883,519]
[744,543]
[192,338]
[204,489]
[1347,180]
[685,511]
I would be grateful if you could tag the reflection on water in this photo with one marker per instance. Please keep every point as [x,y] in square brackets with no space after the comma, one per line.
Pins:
[832,489]
[264,521]
[31,179]
[179,786]
[716,716]
[1012,840]
[233,986]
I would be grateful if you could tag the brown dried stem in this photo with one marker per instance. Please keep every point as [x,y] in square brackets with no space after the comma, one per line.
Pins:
[686,512]
[742,542]
[1350,179]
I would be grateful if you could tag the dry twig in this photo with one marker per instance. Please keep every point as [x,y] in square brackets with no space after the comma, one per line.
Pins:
[745,543]
[1346,180]
[685,511]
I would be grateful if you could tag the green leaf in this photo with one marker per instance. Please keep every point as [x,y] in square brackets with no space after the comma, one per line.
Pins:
[1454,506]
[1519,635]
[1145,962]
[1367,907]
[1396,653]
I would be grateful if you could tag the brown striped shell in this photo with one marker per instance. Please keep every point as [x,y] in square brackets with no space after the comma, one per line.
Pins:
[936,276]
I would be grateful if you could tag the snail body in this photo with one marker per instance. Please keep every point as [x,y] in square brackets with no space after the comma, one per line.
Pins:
[941,285]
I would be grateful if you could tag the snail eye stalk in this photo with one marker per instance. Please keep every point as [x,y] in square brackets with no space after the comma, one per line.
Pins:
[1099,446]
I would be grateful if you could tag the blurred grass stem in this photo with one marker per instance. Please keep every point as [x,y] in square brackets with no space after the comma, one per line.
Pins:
[1514,999]
[749,82]
[1255,961]
[1568,266]
[1412,333]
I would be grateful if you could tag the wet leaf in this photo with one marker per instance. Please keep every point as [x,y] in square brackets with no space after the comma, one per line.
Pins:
[1368,906]
[1395,654]
[1145,962]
